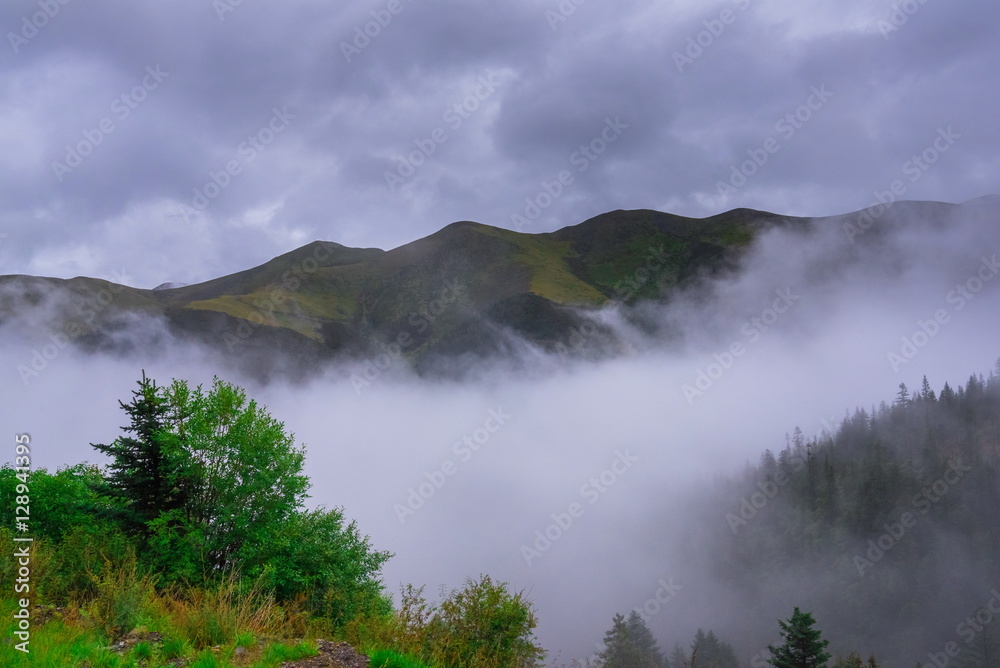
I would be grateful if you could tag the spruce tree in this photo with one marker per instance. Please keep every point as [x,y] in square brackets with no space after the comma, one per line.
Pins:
[678,659]
[803,647]
[712,652]
[143,474]
[642,639]
[630,644]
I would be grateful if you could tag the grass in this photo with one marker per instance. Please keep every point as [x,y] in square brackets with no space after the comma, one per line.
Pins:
[385,658]
[205,629]
[124,620]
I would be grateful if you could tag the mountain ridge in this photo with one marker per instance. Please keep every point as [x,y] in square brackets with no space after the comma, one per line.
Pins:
[451,293]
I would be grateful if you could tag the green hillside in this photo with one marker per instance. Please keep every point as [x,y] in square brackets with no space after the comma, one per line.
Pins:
[447,293]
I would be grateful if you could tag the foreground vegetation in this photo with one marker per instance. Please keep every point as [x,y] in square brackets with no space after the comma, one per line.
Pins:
[193,547]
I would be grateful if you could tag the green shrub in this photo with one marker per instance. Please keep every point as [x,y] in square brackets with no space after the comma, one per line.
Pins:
[482,625]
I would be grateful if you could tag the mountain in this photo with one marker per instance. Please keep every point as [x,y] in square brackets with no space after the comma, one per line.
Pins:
[468,289]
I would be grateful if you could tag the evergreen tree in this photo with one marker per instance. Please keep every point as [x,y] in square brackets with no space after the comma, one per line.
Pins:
[803,647]
[214,485]
[630,644]
[678,659]
[644,641]
[712,652]
[145,475]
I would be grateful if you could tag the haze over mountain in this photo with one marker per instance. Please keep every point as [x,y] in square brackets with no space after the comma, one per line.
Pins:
[467,290]
[799,324]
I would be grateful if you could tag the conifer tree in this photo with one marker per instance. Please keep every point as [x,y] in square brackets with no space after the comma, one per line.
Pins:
[630,644]
[144,474]
[643,640]
[712,652]
[803,647]
[678,659]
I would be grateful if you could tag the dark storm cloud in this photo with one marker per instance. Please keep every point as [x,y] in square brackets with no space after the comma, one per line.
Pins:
[366,82]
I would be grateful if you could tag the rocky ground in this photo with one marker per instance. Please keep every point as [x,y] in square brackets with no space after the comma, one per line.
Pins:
[331,655]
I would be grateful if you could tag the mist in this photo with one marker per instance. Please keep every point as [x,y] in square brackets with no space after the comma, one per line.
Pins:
[461,477]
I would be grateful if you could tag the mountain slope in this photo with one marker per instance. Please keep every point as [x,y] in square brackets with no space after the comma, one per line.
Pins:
[461,290]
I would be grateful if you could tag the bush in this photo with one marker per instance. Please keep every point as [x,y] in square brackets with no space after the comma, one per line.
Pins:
[481,625]
[484,624]
[332,566]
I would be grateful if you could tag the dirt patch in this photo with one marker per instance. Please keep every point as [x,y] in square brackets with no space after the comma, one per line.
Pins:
[331,655]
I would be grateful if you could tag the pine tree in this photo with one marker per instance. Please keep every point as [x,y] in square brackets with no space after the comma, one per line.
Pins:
[630,644]
[903,396]
[804,646]
[678,659]
[712,652]
[644,641]
[143,476]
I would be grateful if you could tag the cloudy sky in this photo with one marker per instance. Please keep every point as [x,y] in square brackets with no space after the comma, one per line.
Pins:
[181,141]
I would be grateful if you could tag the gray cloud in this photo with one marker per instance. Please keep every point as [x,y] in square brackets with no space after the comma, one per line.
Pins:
[324,176]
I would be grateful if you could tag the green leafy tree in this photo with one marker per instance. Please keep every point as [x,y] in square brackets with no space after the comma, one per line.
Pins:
[803,647]
[60,501]
[242,472]
[216,485]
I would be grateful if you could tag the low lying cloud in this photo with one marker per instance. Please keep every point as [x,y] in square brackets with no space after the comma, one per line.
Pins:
[569,479]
